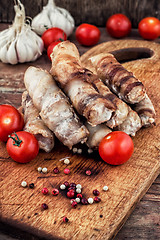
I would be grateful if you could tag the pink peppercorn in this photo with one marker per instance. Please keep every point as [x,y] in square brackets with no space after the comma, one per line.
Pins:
[72,185]
[56,170]
[70,194]
[44,206]
[88,172]
[66,171]
[84,201]
[74,204]
[79,195]
[97,199]
[96,192]
[55,191]
[66,184]
[45,191]
[72,188]
[65,219]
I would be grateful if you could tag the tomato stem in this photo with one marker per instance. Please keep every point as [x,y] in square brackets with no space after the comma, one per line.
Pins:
[16,139]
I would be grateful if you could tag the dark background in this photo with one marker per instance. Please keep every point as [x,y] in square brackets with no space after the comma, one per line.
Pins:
[90,11]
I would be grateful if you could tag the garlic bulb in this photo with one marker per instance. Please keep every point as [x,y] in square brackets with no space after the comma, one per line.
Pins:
[53,16]
[19,43]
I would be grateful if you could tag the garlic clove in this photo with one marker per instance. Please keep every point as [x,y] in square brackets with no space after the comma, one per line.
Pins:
[21,49]
[3,51]
[11,54]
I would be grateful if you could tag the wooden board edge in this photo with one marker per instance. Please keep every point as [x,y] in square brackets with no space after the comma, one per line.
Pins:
[138,199]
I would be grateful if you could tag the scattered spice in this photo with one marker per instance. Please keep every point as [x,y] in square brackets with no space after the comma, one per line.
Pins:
[79,195]
[44,206]
[74,204]
[65,219]
[79,151]
[90,150]
[66,171]
[56,170]
[31,185]
[105,188]
[97,199]
[55,191]
[62,187]
[24,184]
[39,169]
[72,185]
[84,201]
[74,150]
[88,172]
[96,192]
[45,191]
[66,161]
[66,184]
[77,200]
[90,200]
[78,186]
[44,170]
[70,194]
[78,190]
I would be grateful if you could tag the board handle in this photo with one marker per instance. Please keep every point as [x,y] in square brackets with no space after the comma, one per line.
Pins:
[131,54]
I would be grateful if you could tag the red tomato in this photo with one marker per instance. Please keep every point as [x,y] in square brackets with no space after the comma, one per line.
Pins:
[87,34]
[50,48]
[53,35]
[149,28]
[10,121]
[23,147]
[118,25]
[116,148]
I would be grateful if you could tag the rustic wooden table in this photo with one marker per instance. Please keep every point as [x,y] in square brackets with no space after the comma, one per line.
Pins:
[144,222]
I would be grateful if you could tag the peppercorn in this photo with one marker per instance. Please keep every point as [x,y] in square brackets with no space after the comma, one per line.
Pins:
[105,188]
[79,195]
[55,191]
[84,201]
[56,170]
[44,206]
[24,184]
[70,194]
[44,170]
[90,200]
[96,192]
[66,184]
[66,161]
[66,171]
[88,172]
[97,199]
[31,185]
[45,191]
[65,219]
[74,204]
[62,187]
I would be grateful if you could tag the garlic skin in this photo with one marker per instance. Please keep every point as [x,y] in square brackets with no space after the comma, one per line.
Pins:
[18,43]
[53,16]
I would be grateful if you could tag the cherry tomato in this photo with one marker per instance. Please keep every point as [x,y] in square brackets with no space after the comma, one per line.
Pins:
[22,147]
[10,121]
[50,48]
[52,35]
[118,25]
[149,28]
[87,34]
[116,148]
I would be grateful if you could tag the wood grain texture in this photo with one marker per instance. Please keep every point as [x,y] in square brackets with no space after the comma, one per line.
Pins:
[21,207]
[93,11]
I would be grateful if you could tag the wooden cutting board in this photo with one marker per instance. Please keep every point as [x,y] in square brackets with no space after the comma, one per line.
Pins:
[127,183]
